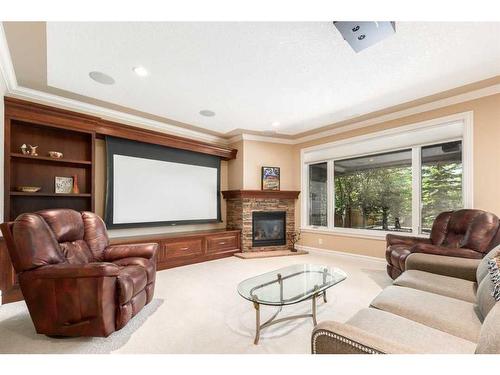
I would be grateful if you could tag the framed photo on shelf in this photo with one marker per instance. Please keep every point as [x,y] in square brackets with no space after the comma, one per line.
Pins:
[270,179]
[64,185]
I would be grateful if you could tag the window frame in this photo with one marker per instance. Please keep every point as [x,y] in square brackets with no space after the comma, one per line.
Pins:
[465,120]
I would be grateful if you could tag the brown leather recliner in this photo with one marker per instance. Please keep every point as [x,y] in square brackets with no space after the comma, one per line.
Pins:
[461,233]
[73,282]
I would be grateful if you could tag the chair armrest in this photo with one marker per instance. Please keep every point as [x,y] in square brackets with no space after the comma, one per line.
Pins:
[140,250]
[394,239]
[459,252]
[462,268]
[73,271]
[340,338]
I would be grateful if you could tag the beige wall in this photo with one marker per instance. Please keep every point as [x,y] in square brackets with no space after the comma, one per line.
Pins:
[264,154]
[245,171]
[235,168]
[100,191]
[486,167]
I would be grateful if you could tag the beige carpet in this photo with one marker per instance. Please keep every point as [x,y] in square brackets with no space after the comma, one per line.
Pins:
[202,312]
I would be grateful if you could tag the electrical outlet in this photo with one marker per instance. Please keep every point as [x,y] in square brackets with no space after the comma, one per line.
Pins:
[320,241]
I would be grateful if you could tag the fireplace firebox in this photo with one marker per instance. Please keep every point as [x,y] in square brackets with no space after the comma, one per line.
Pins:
[268,228]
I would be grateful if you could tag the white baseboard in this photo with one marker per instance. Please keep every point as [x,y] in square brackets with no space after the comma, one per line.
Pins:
[336,252]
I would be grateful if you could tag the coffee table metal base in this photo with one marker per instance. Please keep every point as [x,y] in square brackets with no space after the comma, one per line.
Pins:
[272,320]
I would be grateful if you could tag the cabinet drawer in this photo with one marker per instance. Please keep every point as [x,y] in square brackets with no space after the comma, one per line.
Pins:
[183,248]
[222,243]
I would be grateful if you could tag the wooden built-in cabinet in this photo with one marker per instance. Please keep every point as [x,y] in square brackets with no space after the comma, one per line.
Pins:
[177,249]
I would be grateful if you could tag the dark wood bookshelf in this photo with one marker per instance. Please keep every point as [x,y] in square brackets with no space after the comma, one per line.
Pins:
[49,133]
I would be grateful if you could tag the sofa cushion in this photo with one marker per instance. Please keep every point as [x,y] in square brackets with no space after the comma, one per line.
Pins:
[419,337]
[130,281]
[485,299]
[462,268]
[464,290]
[76,252]
[494,271]
[456,317]
[489,339]
[148,265]
[482,269]
[66,224]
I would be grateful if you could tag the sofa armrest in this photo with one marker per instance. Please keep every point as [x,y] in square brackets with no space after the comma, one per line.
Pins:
[140,250]
[459,252]
[340,338]
[394,239]
[73,271]
[462,268]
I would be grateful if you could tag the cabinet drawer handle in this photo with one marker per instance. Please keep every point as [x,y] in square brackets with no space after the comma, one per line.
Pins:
[184,248]
[222,243]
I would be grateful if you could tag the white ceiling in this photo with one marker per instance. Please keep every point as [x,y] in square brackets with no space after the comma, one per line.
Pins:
[302,75]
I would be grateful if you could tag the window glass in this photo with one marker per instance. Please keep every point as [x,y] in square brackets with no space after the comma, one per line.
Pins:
[374,192]
[441,181]
[318,205]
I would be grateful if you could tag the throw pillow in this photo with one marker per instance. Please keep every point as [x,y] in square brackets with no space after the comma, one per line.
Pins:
[494,270]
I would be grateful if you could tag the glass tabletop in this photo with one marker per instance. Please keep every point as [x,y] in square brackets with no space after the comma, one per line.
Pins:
[291,284]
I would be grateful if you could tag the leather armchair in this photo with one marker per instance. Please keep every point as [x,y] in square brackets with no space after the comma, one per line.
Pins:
[73,282]
[462,233]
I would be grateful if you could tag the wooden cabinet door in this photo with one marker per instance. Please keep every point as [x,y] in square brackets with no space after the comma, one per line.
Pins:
[222,242]
[183,248]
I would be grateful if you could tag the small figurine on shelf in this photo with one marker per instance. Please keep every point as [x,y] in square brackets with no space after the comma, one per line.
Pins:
[76,189]
[24,149]
[294,237]
[32,151]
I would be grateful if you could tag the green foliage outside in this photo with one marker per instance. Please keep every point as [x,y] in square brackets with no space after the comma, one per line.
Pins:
[381,198]
[441,190]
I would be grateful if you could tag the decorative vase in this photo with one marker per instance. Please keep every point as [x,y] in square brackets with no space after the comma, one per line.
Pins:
[76,190]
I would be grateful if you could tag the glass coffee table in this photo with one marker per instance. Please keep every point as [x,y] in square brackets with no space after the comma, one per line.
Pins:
[288,286]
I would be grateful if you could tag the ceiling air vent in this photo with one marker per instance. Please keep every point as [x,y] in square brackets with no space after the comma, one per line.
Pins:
[361,35]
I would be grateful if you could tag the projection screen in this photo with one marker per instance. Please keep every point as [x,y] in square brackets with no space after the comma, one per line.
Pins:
[150,185]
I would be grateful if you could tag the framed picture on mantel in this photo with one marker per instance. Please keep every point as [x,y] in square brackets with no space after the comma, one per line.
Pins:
[270,178]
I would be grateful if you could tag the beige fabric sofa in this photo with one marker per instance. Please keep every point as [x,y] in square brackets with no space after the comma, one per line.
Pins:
[439,304]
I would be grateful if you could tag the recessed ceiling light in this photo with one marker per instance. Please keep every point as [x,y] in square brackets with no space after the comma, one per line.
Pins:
[275,124]
[140,71]
[101,77]
[207,113]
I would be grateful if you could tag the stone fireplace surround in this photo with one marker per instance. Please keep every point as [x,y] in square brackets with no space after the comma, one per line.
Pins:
[241,203]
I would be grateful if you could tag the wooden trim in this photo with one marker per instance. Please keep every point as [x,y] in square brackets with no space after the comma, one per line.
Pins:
[105,127]
[47,115]
[261,194]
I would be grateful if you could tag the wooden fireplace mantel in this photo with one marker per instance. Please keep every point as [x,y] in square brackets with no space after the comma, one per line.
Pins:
[262,194]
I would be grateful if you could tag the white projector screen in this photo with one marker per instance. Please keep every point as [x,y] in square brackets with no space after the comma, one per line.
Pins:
[143,190]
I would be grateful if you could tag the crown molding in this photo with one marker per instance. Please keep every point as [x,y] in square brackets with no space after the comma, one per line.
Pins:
[260,138]
[460,98]
[116,116]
